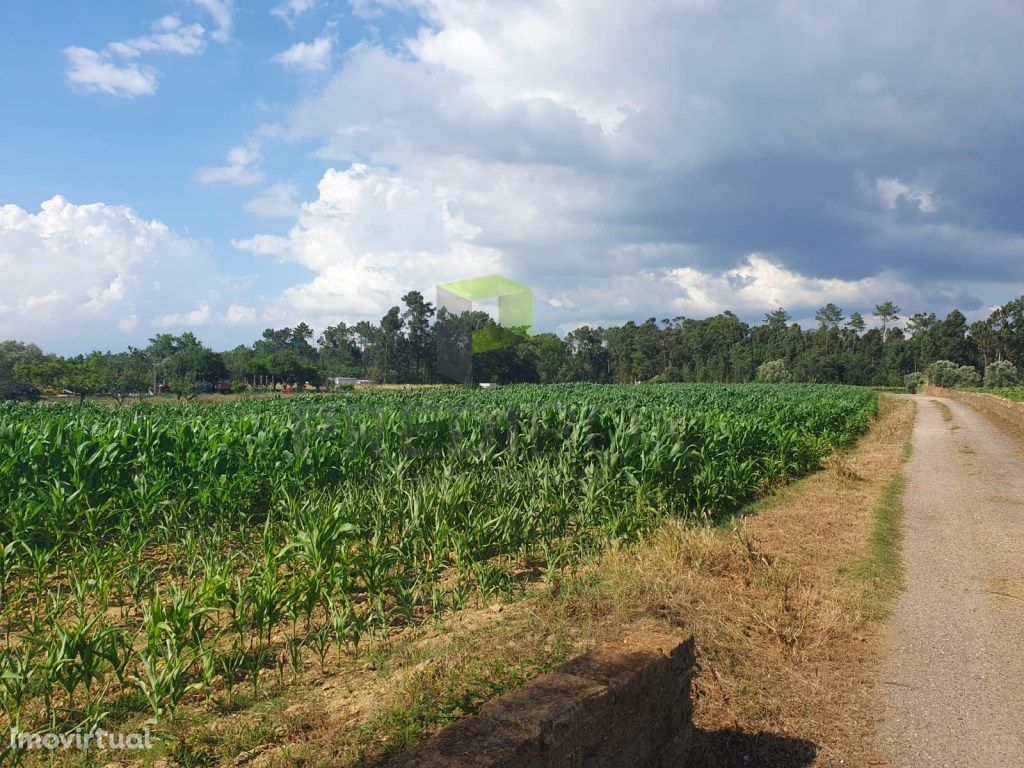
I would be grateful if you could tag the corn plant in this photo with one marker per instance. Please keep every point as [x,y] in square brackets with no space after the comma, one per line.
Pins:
[234,537]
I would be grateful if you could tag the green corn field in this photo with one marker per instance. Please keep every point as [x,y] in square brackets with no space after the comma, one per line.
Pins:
[164,553]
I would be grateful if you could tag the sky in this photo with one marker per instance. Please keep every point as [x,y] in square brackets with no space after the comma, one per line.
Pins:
[224,167]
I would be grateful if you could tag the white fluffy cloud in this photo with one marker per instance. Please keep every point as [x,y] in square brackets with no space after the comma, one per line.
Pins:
[275,202]
[240,169]
[92,71]
[760,284]
[223,14]
[891,192]
[73,276]
[169,35]
[368,238]
[645,159]
[290,10]
[307,57]
[708,80]
[117,70]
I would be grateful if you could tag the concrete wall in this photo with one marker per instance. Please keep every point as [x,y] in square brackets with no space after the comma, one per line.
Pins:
[624,705]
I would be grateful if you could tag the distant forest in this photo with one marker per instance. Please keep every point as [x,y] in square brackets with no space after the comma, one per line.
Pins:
[402,348]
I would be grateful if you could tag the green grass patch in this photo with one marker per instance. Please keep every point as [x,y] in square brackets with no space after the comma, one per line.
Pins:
[1010,393]
[947,413]
[882,565]
[907,452]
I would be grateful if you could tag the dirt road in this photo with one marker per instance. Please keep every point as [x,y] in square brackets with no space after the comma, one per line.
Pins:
[953,679]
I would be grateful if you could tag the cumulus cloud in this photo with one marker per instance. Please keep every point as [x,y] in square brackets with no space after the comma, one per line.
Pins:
[290,10]
[709,80]
[95,72]
[206,316]
[369,237]
[892,192]
[276,201]
[307,57]
[240,168]
[196,318]
[116,69]
[223,14]
[740,156]
[169,35]
[729,131]
[74,276]
[759,284]
[241,315]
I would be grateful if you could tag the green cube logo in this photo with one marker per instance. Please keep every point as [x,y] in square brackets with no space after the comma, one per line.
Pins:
[459,338]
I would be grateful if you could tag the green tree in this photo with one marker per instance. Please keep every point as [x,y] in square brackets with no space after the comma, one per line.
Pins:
[290,367]
[339,353]
[124,374]
[886,312]
[163,345]
[192,370]
[588,355]
[774,372]
[17,361]
[777,318]
[1005,327]
[829,317]
[299,341]
[390,342]
[416,318]
[241,363]
[1001,373]
[551,355]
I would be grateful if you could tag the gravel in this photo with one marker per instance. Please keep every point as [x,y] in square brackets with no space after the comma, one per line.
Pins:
[952,683]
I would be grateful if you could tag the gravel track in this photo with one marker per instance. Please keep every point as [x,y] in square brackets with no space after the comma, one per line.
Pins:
[952,682]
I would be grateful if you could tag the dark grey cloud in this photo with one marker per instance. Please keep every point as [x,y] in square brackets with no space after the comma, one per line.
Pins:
[611,152]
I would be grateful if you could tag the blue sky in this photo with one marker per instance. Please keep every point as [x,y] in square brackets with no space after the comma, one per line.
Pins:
[224,167]
[144,151]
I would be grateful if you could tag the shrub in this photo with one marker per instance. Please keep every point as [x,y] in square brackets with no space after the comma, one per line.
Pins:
[942,373]
[915,381]
[1001,373]
[12,389]
[774,372]
[968,376]
[945,373]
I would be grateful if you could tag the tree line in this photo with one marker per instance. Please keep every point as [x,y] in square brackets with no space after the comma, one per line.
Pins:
[403,348]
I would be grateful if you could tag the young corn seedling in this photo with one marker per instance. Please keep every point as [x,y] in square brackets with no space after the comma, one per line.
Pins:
[164,678]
